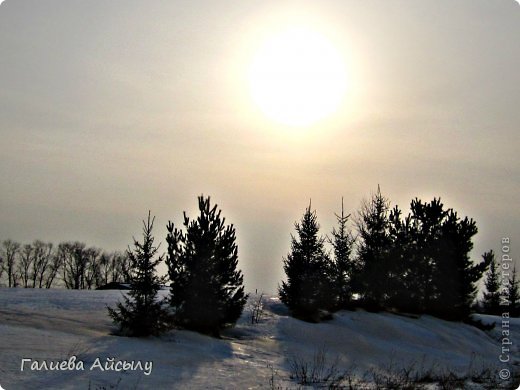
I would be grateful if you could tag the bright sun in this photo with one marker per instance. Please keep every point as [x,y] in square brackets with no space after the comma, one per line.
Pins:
[298,77]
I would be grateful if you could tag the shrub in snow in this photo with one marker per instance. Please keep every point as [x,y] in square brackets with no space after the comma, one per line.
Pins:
[257,309]
[318,372]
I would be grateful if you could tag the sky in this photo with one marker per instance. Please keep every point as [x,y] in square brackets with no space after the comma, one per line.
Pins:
[109,109]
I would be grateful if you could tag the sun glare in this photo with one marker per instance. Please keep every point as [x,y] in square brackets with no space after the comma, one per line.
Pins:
[297,77]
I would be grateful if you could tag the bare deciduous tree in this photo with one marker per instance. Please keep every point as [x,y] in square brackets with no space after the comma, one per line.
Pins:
[74,264]
[107,267]
[9,252]
[104,266]
[39,264]
[2,265]
[24,265]
[124,264]
[120,267]
[53,269]
[42,258]
[91,278]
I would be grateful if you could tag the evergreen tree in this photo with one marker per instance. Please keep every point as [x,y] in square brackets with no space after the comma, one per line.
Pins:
[402,290]
[207,291]
[514,295]
[374,250]
[309,289]
[342,242]
[426,221]
[455,275]
[141,313]
[420,263]
[492,283]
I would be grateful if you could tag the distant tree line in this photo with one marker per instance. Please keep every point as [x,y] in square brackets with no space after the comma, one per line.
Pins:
[418,263]
[72,265]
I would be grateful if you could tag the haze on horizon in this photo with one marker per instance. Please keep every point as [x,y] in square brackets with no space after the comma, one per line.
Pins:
[111,109]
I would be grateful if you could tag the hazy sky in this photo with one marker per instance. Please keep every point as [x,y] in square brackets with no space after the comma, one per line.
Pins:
[111,108]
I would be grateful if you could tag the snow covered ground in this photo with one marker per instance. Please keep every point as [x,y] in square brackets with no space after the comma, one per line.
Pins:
[54,325]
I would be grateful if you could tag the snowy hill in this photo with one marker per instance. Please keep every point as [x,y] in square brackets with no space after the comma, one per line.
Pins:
[53,325]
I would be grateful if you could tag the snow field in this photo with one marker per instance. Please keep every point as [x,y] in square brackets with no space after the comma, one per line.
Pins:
[53,325]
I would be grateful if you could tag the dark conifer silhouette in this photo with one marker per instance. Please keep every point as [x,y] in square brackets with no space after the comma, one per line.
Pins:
[374,250]
[492,284]
[342,243]
[141,313]
[419,263]
[207,291]
[424,235]
[513,292]
[402,289]
[455,275]
[309,289]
